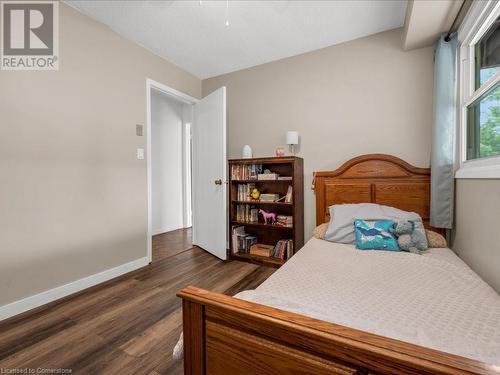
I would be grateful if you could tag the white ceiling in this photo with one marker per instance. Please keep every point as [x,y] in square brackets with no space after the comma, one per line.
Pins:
[195,36]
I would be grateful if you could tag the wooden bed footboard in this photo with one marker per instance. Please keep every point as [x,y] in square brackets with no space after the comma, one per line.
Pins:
[226,335]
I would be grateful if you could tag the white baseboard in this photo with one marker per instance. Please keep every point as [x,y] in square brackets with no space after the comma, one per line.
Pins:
[165,230]
[51,295]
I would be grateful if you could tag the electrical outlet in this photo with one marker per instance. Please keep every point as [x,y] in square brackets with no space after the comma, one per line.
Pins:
[140,153]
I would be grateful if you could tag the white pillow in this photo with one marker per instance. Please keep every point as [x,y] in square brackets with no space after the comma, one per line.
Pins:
[342,228]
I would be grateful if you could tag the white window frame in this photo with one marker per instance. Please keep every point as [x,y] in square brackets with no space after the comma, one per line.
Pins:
[479,19]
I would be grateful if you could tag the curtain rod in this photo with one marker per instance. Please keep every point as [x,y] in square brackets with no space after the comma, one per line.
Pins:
[447,37]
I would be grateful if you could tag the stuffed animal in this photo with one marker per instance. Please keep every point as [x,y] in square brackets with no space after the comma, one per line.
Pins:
[408,238]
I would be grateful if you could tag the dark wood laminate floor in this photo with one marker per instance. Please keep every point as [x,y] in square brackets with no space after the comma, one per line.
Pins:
[126,326]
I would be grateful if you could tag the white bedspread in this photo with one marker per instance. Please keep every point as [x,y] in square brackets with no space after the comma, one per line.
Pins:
[434,300]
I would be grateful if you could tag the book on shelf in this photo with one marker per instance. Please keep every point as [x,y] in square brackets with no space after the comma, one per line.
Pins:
[245,171]
[289,194]
[246,213]
[244,191]
[267,176]
[284,178]
[236,232]
[248,241]
[269,197]
[284,221]
[242,241]
[254,215]
[283,249]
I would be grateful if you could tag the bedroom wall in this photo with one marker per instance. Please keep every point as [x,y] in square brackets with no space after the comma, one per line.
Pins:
[363,96]
[73,196]
[167,163]
[475,238]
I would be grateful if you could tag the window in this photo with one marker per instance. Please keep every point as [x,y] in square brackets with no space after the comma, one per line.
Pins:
[487,54]
[483,125]
[479,38]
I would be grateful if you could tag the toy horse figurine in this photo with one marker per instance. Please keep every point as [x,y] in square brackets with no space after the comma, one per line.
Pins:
[269,217]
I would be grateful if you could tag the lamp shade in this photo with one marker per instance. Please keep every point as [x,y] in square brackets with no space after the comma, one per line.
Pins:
[292,138]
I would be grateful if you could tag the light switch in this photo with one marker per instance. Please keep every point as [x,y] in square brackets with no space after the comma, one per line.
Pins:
[138,130]
[140,153]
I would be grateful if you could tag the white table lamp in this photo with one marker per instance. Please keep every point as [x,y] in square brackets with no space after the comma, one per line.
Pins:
[292,139]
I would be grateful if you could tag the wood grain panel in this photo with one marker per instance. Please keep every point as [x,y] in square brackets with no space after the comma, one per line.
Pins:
[341,192]
[409,196]
[374,178]
[254,324]
[373,168]
[194,332]
[234,352]
[347,193]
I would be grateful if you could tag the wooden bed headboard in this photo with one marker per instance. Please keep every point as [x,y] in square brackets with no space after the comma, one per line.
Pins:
[374,178]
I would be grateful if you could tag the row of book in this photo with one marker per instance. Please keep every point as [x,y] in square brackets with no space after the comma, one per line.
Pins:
[283,249]
[244,191]
[247,214]
[245,171]
[242,242]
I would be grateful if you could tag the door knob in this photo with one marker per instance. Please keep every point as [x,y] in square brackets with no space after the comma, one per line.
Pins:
[218,182]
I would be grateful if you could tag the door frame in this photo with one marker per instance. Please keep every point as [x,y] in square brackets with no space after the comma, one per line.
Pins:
[179,96]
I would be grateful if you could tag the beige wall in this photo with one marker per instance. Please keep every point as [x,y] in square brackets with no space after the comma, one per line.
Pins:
[72,194]
[476,231]
[359,97]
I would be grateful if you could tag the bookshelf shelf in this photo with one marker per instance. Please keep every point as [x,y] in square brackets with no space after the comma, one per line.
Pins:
[261,181]
[261,225]
[273,262]
[257,203]
[243,178]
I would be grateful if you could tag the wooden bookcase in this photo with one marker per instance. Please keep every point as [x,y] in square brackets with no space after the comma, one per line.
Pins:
[266,233]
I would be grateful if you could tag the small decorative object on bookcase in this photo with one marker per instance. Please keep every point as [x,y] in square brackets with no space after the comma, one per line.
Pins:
[261,250]
[280,151]
[246,152]
[255,194]
[269,217]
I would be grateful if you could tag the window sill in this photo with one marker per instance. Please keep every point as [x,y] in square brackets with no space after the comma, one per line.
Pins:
[491,171]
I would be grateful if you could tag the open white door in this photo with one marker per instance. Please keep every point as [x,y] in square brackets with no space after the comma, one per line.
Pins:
[209,174]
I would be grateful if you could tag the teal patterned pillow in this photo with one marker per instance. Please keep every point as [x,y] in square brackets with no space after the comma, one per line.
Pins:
[375,235]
